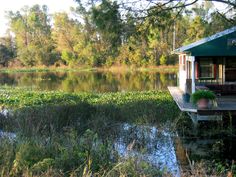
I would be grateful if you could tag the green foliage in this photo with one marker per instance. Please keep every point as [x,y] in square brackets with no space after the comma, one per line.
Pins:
[68,109]
[32,35]
[196,30]
[67,35]
[69,154]
[7,50]
[43,166]
[5,55]
[26,156]
[207,94]
[107,20]
[63,152]
[68,57]
[163,60]
[104,38]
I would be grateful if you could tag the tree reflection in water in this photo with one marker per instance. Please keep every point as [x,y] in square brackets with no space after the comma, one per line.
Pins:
[91,81]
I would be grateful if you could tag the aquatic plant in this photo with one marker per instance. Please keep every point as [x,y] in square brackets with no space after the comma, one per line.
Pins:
[46,111]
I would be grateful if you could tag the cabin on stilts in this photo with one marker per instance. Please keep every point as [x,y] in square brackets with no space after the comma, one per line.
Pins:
[210,64]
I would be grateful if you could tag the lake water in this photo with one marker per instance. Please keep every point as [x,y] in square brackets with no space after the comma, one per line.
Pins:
[90,81]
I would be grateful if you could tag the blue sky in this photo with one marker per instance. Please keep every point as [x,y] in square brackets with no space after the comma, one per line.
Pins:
[14,5]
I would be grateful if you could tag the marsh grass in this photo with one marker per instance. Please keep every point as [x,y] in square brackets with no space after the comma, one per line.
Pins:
[64,134]
[68,154]
[49,111]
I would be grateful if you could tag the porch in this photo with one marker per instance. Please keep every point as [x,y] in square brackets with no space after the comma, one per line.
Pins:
[214,73]
[224,103]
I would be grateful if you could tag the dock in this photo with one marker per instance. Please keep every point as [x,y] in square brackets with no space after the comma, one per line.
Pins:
[177,95]
[225,104]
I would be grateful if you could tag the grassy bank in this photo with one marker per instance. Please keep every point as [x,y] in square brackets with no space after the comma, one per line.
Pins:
[65,134]
[43,69]
[171,68]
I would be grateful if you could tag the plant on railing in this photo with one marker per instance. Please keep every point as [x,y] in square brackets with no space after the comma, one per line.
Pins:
[202,98]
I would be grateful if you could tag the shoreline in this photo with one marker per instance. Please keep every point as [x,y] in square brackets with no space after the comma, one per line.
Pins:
[162,69]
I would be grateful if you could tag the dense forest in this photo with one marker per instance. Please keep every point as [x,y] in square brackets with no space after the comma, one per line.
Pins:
[103,35]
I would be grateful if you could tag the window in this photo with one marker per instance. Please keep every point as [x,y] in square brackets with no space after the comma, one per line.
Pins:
[230,69]
[206,68]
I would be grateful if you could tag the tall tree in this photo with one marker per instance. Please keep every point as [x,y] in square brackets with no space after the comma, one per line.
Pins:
[7,49]
[32,30]
[66,34]
[106,18]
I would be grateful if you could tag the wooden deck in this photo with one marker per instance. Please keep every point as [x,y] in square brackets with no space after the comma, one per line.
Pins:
[177,95]
[224,103]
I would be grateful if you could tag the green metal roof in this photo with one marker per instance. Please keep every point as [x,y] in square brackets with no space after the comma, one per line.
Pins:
[220,44]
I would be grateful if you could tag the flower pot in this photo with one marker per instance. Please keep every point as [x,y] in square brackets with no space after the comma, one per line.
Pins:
[186,97]
[203,103]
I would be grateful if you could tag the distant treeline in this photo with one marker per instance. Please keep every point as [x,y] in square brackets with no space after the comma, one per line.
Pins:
[102,35]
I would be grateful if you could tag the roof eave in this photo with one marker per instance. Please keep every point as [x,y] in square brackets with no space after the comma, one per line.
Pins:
[185,48]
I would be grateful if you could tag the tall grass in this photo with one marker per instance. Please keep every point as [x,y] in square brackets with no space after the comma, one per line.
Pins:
[44,111]
[64,134]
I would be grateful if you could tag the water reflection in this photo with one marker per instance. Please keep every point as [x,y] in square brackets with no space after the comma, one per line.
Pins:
[169,151]
[90,81]
[149,144]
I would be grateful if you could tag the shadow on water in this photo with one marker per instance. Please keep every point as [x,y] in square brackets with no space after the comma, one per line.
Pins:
[90,81]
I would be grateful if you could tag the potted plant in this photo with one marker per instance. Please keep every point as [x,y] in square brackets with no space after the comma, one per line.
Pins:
[202,98]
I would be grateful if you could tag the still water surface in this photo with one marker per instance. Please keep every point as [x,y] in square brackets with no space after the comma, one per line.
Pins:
[90,81]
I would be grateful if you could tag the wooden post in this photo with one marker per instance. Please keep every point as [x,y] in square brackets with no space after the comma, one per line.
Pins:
[193,73]
[223,71]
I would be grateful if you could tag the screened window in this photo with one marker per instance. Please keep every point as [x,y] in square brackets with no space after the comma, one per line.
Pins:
[206,68]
